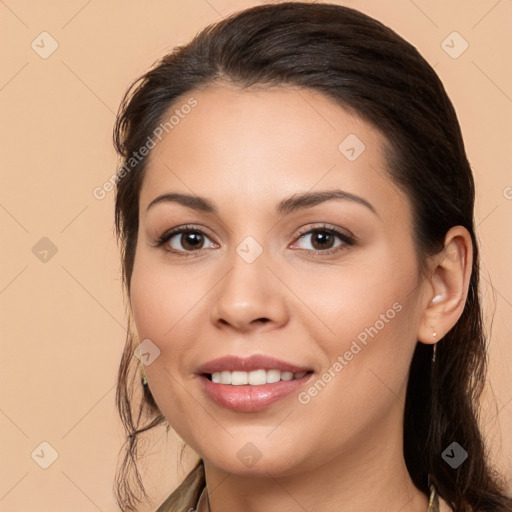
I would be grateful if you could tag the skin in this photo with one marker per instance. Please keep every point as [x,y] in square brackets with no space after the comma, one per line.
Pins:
[246,151]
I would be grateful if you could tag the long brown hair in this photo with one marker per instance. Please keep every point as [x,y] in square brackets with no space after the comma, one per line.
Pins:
[368,69]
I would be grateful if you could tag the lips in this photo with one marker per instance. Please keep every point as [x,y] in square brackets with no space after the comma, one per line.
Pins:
[255,362]
[248,397]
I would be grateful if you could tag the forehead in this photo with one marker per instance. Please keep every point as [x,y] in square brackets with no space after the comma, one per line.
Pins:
[252,147]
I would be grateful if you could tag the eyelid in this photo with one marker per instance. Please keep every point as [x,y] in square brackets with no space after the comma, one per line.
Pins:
[320,226]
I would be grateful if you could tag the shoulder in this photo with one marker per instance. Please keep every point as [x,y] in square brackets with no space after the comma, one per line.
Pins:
[186,495]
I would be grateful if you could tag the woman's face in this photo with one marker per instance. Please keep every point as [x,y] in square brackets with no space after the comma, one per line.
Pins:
[264,273]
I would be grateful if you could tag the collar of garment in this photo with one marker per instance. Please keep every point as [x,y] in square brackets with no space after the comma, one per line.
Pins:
[203,504]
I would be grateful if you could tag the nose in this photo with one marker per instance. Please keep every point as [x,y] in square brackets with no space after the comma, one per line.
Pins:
[248,296]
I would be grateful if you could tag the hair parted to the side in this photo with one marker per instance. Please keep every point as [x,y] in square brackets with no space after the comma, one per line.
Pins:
[368,69]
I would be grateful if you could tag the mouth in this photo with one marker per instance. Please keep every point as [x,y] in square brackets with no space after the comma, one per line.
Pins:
[249,392]
[249,384]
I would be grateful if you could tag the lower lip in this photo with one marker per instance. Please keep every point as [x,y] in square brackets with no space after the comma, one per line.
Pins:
[247,398]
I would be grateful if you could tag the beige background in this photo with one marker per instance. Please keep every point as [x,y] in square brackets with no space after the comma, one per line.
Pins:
[62,320]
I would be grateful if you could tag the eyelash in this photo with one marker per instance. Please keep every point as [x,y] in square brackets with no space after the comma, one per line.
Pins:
[346,239]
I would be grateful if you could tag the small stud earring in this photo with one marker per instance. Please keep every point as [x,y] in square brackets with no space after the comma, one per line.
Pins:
[144,380]
[434,334]
[436,299]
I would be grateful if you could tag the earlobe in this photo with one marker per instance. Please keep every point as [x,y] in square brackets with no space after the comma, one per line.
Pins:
[448,286]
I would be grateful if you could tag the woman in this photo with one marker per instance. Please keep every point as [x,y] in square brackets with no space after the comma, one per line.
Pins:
[302,271]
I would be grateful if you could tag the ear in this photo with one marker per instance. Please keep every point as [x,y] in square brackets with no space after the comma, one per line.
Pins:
[446,294]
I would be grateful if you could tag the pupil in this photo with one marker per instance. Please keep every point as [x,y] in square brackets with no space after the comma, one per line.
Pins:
[192,236]
[323,237]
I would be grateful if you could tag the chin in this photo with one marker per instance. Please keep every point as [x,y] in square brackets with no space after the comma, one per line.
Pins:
[254,458]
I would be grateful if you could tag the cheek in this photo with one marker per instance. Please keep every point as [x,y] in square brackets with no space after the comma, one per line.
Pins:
[370,318]
[168,306]
[362,300]
[159,297]
[162,305]
[366,369]
[147,302]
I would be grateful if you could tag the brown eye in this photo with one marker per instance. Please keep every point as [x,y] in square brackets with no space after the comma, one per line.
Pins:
[190,240]
[184,240]
[323,240]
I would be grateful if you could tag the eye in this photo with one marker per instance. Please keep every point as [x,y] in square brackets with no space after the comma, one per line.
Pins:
[322,239]
[184,239]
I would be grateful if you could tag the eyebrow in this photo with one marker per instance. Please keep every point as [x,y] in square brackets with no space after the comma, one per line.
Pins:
[285,207]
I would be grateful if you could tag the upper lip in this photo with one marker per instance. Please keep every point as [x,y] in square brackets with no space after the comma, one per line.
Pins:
[256,362]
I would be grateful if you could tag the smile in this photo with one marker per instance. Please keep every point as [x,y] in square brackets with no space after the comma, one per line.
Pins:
[248,393]
[253,378]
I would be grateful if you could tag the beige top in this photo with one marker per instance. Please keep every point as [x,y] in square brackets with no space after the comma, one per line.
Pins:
[191,495]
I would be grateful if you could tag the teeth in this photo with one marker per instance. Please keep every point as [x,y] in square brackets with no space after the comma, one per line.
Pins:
[273,376]
[239,378]
[225,377]
[257,377]
[254,378]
